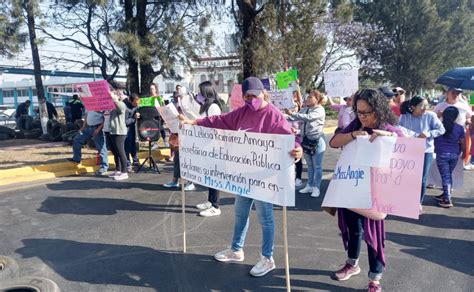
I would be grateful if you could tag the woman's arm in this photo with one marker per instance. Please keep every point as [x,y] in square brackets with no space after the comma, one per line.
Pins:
[342,139]
[312,115]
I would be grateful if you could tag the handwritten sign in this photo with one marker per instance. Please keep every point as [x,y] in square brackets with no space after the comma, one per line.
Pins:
[96,95]
[151,101]
[284,79]
[189,106]
[253,165]
[376,153]
[282,99]
[396,189]
[434,178]
[350,183]
[169,113]
[341,83]
[236,99]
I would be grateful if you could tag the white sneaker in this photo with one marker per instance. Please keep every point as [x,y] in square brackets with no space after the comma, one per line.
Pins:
[204,206]
[263,266]
[189,187]
[306,190]
[121,176]
[469,166]
[210,212]
[229,255]
[154,147]
[315,192]
[298,183]
[114,174]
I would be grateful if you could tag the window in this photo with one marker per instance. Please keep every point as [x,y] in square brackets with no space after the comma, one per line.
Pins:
[169,87]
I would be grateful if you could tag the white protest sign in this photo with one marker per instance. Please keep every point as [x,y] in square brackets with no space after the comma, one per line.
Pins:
[376,153]
[350,183]
[253,165]
[341,83]
[282,99]
[434,178]
[189,106]
[169,113]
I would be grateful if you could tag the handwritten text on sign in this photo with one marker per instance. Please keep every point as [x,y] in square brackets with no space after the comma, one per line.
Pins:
[341,83]
[95,95]
[253,165]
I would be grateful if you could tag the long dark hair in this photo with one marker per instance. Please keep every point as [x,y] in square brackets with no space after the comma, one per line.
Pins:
[210,95]
[379,104]
[450,114]
[406,106]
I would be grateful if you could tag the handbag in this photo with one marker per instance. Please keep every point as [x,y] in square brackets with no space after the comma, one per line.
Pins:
[309,145]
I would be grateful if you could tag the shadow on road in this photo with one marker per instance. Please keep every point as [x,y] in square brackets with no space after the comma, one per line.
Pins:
[439,221]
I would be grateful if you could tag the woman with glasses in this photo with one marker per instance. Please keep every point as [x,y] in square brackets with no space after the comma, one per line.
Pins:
[373,118]
[422,124]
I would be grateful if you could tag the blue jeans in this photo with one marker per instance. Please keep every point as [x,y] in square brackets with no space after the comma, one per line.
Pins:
[99,140]
[426,170]
[315,164]
[446,164]
[242,209]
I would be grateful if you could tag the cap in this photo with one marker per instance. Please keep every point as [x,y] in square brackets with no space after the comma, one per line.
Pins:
[252,85]
[387,91]
[455,89]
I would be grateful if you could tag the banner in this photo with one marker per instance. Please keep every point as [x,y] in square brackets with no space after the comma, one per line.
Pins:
[95,96]
[253,165]
[169,113]
[284,79]
[282,99]
[396,189]
[236,99]
[341,83]
[350,183]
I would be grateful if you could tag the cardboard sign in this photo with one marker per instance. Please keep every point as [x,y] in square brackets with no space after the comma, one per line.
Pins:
[284,79]
[350,183]
[236,99]
[282,99]
[253,165]
[341,83]
[95,96]
[169,113]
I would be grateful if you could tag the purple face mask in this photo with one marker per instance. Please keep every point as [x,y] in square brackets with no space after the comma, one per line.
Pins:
[200,98]
[256,103]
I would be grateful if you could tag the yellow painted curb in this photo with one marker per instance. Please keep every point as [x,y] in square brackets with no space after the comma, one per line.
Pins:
[329,130]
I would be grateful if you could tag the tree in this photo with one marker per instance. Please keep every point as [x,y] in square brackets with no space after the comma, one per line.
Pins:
[10,36]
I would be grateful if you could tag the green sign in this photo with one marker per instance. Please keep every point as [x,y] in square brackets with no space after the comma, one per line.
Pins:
[151,101]
[472,99]
[284,79]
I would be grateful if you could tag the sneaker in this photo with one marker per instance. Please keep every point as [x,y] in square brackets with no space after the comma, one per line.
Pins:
[121,176]
[374,287]
[210,212]
[154,147]
[439,198]
[229,255]
[430,186]
[101,172]
[315,192]
[446,203]
[306,190]
[204,206]
[114,174]
[129,168]
[469,166]
[346,272]
[171,184]
[189,187]
[298,182]
[73,161]
[263,266]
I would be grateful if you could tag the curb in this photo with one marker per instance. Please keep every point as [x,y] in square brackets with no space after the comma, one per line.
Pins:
[60,169]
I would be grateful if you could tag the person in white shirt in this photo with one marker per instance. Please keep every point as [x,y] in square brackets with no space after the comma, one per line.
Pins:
[452,99]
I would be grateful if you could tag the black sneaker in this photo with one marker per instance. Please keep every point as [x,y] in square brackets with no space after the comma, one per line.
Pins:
[439,198]
[446,203]
[72,160]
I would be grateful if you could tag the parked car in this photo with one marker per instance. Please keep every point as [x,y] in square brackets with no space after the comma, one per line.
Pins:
[7,117]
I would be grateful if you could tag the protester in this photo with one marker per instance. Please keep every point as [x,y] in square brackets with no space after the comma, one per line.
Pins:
[447,149]
[118,134]
[397,100]
[345,112]
[77,108]
[298,100]
[23,109]
[154,92]
[425,125]
[470,164]
[314,144]
[132,115]
[258,116]
[92,128]
[209,100]
[373,118]
[452,99]
[389,94]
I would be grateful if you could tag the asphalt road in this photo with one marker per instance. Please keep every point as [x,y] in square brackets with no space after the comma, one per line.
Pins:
[95,234]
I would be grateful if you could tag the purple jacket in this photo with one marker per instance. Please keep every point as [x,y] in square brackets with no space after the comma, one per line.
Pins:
[267,120]
[374,231]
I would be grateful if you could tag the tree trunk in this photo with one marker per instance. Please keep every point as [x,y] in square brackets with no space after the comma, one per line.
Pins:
[146,70]
[130,27]
[248,10]
[30,10]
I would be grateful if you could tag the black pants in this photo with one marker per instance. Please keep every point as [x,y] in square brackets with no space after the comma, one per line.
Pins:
[213,197]
[299,168]
[117,146]
[176,167]
[131,146]
[355,224]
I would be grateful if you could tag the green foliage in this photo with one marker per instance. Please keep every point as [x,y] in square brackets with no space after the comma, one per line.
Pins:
[11,20]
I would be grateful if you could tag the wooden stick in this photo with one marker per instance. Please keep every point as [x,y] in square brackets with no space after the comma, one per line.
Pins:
[183,212]
[285,243]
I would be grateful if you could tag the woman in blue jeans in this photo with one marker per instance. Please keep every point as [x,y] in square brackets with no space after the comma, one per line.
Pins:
[312,120]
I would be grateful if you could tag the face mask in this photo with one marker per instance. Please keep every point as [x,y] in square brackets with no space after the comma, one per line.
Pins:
[200,98]
[256,103]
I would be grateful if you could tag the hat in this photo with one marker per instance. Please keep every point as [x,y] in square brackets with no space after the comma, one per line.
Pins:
[387,91]
[459,90]
[400,90]
[346,97]
[252,85]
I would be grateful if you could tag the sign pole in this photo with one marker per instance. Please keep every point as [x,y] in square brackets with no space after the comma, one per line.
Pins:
[183,212]
[285,243]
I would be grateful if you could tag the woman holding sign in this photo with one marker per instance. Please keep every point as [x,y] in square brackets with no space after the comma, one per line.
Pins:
[258,116]
[373,118]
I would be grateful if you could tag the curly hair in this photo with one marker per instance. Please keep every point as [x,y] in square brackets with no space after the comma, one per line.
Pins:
[379,104]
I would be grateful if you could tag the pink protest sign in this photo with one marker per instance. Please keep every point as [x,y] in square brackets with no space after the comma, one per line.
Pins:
[236,99]
[95,95]
[396,189]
